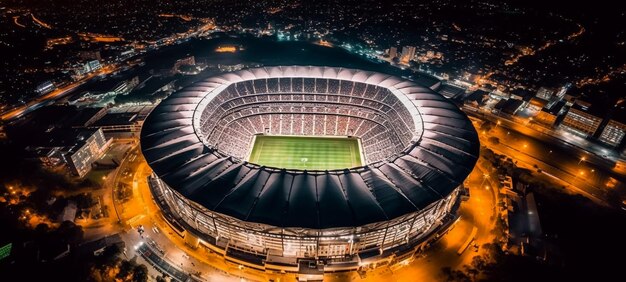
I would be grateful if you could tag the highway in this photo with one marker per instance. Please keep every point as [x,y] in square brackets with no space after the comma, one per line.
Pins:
[46,99]
[590,173]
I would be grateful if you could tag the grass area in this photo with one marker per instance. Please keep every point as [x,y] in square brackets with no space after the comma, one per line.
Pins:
[312,153]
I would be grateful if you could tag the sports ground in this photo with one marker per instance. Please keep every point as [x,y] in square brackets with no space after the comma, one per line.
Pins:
[311,153]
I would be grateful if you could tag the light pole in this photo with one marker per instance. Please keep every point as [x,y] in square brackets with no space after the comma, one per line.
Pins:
[485,177]
[581,159]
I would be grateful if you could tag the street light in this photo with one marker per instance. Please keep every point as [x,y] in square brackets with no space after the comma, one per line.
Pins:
[581,159]
[485,177]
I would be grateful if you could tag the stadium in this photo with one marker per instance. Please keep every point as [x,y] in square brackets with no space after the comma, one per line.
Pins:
[309,169]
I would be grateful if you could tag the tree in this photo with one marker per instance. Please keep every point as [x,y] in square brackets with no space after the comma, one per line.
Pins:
[141,273]
[489,155]
[130,270]
[454,275]
[479,263]
[86,183]
[41,231]
[110,256]
[486,126]
[472,272]
[126,270]
[84,200]
[70,232]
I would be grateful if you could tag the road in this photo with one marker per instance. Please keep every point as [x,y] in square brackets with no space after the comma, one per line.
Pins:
[562,139]
[586,171]
[46,99]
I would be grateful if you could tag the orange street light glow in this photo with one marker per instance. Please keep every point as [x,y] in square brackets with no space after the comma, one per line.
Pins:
[226,49]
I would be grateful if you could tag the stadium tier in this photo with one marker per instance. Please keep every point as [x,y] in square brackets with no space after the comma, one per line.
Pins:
[417,149]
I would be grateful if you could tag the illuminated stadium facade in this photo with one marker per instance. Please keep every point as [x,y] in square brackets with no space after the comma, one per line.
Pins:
[418,148]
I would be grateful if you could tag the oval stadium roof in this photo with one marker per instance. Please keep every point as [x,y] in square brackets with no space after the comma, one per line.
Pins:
[437,163]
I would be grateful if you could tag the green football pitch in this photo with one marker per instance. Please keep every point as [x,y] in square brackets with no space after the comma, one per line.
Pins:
[312,153]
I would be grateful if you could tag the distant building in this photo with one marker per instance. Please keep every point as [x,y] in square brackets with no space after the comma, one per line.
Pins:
[97,247]
[49,119]
[89,55]
[548,116]
[94,65]
[75,148]
[545,93]
[521,217]
[563,90]
[125,86]
[125,54]
[88,67]
[45,87]
[104,92]
[579,119]
[89,147]
[500,94]
[393,52]
[569,99]
[408,53]
[119,122]
[229,68]
[537,103]
[69,212]
[451,92]
[188,61]
[476,99]
[512,106]
[123,122]
[521,94]
[583,104]
[615,130]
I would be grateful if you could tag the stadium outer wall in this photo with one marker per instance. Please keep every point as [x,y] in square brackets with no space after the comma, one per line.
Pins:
[340,249]
[416,191]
